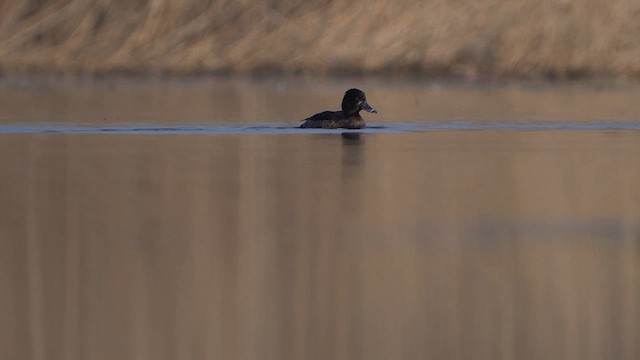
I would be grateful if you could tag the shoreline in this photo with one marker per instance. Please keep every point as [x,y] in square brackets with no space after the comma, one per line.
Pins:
[269,72]
[337,78]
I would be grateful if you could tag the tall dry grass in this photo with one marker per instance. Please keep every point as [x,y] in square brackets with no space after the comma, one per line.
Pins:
[480,38]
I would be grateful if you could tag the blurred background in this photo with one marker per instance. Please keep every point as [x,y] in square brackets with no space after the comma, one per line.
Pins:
[555,39]
[490,211]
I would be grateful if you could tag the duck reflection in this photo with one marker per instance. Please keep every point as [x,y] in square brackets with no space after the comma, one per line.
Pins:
[352,138]
[353,158]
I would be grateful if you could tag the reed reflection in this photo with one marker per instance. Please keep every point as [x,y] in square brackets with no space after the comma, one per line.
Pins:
[360,246]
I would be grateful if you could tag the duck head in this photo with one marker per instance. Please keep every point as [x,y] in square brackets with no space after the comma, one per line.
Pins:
[354,100]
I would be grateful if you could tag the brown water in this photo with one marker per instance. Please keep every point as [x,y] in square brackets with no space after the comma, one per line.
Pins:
[503,244]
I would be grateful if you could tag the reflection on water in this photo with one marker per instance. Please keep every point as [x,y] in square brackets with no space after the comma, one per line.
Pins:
[112,102]
[484,245]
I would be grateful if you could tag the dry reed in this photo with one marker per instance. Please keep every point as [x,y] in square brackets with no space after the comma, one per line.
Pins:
[483,38]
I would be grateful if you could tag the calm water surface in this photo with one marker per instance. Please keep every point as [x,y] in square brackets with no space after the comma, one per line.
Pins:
[491,242]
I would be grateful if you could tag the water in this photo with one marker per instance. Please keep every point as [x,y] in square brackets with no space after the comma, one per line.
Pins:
[276,128]
[513,233]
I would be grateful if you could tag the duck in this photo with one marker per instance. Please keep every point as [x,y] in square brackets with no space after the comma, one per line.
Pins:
[349,117]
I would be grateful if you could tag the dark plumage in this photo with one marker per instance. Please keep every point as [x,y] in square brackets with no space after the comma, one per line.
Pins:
[348,118]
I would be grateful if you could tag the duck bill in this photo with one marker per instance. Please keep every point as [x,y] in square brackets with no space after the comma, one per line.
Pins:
[368,108]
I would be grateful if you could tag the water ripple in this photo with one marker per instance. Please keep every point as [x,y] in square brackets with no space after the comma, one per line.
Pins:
[283,128]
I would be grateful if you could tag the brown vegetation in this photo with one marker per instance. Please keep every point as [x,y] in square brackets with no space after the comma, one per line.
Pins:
[483,38]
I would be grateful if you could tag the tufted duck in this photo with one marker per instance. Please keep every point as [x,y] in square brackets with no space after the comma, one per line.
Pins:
[349,118]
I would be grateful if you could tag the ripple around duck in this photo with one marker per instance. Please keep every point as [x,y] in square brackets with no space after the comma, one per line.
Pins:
[283,128]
